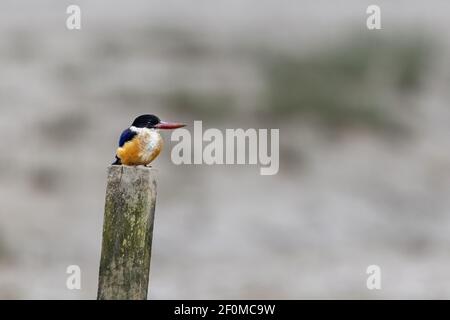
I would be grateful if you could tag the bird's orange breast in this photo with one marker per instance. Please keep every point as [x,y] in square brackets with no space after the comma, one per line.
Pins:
[141,150]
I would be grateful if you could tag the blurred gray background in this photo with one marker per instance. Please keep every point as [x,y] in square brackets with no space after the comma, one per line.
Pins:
[364,145]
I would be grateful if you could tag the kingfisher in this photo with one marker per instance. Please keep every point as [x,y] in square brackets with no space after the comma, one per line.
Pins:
[141,143]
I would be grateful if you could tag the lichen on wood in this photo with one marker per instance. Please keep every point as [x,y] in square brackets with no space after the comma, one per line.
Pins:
[127,233]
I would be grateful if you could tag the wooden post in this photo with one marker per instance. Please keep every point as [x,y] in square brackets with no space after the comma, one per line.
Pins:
[127,233]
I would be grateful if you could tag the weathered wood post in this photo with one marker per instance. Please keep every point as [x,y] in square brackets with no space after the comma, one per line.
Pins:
[127,233]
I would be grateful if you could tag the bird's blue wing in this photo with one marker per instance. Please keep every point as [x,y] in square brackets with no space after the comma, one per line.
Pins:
[126,135]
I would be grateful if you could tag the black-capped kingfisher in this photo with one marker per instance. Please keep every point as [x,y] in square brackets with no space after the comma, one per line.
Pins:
[141,143]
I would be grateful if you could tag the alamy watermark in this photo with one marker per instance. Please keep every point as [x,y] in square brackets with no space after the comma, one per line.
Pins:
[373,21]
[374,278]
[73,281]
[235,146]
[73,21]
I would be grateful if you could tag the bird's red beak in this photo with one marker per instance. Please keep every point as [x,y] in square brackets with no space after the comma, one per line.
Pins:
[169,125]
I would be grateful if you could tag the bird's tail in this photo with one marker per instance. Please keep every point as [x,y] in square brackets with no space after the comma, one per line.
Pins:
[117,162]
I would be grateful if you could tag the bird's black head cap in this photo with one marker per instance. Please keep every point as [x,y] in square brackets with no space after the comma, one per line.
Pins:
[146,121]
